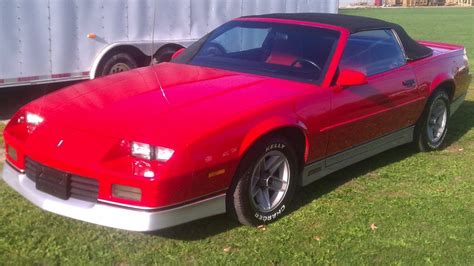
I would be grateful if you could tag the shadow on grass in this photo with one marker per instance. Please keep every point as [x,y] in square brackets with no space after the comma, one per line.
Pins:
[200,229]
[460,124]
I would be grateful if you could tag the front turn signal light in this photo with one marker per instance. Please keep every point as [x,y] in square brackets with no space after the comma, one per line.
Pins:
[12,153]
[126,192]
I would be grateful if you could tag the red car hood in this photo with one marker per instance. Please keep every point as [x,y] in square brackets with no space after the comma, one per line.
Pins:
[136,106]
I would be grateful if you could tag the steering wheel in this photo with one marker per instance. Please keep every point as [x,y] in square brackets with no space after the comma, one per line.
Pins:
[214,49]
[306,61]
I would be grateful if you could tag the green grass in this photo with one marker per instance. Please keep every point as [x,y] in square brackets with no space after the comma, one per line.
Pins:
[421,203]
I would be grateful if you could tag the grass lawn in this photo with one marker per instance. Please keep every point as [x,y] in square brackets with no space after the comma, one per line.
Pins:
[400,207]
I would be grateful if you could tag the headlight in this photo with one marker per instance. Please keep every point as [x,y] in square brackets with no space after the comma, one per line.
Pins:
[33,119]
[141,150]
[148,152]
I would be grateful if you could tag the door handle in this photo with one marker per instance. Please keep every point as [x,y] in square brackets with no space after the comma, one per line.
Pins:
[410,83]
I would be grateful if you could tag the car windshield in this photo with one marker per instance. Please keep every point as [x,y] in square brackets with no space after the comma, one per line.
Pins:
[273,49]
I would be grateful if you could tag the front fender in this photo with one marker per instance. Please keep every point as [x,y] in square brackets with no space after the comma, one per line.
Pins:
[270,125]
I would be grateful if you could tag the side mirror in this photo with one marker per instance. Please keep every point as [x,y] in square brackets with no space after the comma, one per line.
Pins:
[177,53]
[349,78]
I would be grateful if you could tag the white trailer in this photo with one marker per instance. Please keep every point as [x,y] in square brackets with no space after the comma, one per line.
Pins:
[44,41]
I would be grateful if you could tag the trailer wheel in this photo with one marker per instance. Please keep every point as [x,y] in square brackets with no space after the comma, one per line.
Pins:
[165,54]
[117,63]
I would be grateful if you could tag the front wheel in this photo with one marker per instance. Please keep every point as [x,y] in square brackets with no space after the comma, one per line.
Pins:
[265,182]
[431,130]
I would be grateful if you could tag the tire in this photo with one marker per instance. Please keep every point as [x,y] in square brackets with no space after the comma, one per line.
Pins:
[274,197]
[431,129]
[117,63]
[165,54]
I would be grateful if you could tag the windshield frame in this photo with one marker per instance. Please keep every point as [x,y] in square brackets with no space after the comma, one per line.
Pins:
[327,72]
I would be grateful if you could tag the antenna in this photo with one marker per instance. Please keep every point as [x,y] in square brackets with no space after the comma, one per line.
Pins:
[152,53]
[152,61]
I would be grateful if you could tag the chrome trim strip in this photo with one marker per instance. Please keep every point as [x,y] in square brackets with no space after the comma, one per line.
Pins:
[126,205]
[322,168]
[14,167]
[191,201]
[394,32]
[46,81]
[111,216]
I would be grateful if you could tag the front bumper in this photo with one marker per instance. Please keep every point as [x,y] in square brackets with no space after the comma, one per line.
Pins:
[109,215]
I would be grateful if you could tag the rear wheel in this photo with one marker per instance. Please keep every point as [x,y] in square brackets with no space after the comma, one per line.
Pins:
[265,182]
[165,54]
[431,130]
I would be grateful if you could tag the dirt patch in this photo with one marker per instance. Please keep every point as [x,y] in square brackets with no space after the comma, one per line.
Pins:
[2,154]
[454,148]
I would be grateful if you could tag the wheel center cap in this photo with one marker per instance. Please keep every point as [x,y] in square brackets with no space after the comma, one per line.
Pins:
[266,182]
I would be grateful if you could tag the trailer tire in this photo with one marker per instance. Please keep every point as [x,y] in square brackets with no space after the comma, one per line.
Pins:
[165,54]
[116,63]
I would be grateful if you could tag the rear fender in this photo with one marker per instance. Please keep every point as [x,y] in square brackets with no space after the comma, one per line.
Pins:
[440,79]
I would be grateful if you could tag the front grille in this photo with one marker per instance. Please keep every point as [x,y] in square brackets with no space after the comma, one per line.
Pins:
[84,188]
[32,169]
[60,184]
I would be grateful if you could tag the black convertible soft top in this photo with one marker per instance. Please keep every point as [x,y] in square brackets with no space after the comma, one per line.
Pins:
[413,49]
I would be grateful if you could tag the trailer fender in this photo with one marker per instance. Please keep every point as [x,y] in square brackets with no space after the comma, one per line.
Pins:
[144,47]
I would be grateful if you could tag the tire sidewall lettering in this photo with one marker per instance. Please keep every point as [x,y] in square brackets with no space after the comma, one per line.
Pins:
[269,217]
[276,146]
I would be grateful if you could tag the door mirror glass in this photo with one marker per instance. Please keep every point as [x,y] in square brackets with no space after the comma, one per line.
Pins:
[349,78]
[177,53]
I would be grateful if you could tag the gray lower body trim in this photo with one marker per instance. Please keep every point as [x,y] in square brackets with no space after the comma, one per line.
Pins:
[322,168]
[113,216]
[457,103]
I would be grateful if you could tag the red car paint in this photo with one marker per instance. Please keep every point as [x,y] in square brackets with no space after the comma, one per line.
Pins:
[210,118]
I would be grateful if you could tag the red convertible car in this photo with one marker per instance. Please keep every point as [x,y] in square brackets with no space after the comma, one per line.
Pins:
[235,123]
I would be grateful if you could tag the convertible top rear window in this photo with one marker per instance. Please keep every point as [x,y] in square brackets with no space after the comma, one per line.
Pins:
[273,49]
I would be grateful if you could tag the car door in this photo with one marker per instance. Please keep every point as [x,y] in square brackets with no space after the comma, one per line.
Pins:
[388,102]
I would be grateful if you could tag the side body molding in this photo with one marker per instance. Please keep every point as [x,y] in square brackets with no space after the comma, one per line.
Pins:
[322,168]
